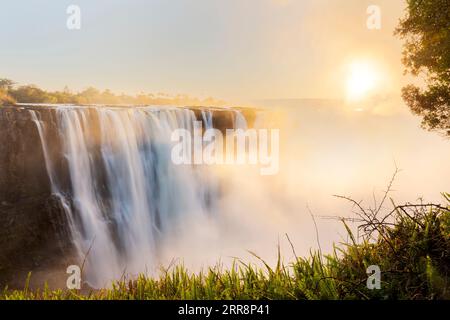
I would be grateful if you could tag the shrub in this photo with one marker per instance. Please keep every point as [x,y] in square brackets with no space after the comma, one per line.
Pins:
[6,99]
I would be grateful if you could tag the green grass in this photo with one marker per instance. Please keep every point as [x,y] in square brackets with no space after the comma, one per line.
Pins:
[410,244]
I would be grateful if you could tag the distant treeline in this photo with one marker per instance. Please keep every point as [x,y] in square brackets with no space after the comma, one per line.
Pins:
[10,93]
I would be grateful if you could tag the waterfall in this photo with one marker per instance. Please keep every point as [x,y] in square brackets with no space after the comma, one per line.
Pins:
[240,122]
[126,197]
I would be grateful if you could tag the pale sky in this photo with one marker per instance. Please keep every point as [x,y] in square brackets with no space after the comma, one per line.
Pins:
[228,49]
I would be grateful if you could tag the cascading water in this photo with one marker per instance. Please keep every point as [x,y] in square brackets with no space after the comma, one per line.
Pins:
[240,122]
[126,197]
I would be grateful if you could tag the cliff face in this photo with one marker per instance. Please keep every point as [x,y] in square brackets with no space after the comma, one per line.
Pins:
[33,226]
[31,219]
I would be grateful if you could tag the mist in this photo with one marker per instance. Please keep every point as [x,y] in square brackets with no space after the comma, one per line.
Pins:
[327,149]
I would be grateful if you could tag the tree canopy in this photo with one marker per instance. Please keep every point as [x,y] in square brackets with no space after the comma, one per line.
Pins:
[426,31]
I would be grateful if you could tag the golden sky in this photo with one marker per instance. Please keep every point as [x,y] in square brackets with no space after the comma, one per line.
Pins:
[238,50]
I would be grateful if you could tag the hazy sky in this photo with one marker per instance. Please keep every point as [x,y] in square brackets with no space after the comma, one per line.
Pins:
[230,49]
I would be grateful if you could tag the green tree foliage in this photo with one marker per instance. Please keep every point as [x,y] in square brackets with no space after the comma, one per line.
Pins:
[426,30]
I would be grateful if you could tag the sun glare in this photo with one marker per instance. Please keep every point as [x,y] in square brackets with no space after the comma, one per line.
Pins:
[362,79]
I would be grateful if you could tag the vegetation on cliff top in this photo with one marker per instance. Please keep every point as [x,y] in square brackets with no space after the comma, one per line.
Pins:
[5,87]
[410,244]
[10,93]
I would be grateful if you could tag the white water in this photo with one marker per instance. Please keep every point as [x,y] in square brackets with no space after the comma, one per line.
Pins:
[139,211]
[124,217]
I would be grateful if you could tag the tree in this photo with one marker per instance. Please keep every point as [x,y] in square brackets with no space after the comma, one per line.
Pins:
[6,99]
[6,86]
[30,94]
[89,95]
[426,31]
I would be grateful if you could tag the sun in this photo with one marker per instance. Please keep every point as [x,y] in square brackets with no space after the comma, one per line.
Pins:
[363,78]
